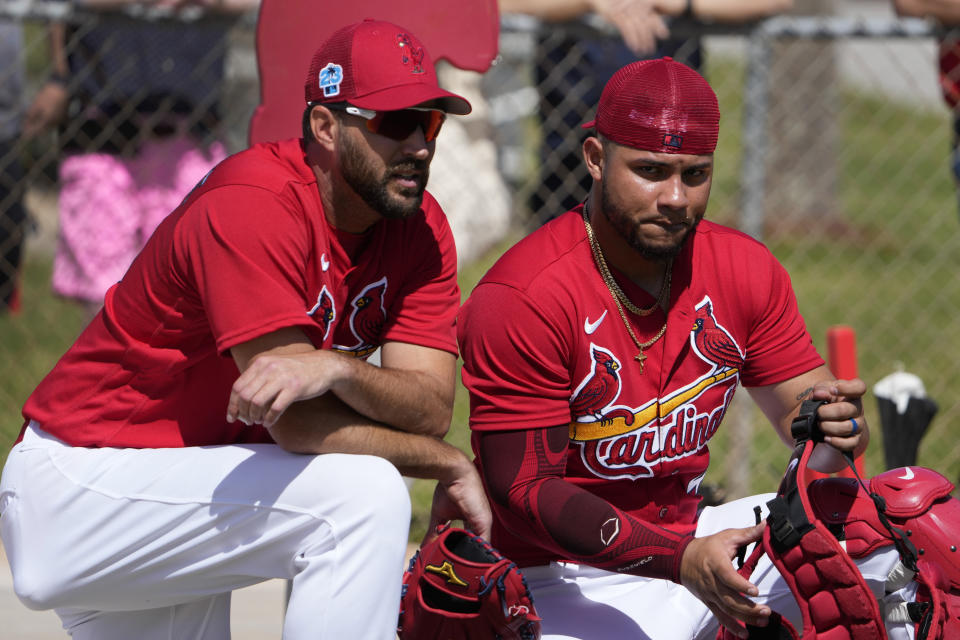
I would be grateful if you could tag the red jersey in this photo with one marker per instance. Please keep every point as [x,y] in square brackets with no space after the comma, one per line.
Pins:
[543,344]
[950,70]
[248,252]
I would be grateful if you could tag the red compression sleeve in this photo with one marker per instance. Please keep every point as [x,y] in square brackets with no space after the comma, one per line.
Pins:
[524,474]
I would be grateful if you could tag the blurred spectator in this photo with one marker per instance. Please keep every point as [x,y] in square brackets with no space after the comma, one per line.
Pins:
[947,12]
[13,215]
[144,112]
[464,177]
[571,71]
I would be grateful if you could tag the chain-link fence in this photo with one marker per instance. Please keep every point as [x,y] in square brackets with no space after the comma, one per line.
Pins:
[834,148]
[106,121]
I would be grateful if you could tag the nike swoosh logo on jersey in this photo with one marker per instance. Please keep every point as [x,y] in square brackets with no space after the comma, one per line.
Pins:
[324,263]
[908,475]
[590,327]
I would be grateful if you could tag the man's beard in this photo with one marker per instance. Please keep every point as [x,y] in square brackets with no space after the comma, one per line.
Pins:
[361,175]
[619,219]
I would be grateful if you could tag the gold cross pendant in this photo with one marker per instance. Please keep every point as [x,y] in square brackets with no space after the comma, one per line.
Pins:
[641,358]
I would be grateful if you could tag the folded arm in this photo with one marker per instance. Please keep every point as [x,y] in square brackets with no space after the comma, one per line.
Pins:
[637,20]
[412,391]
[730,11]
[946,11]
[410,409]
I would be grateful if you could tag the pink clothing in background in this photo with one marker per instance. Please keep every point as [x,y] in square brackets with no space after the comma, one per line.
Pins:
[110,205]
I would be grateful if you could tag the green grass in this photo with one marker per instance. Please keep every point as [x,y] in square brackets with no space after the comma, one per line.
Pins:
[31,341]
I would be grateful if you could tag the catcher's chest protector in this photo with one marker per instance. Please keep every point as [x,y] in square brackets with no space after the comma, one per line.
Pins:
[814,533]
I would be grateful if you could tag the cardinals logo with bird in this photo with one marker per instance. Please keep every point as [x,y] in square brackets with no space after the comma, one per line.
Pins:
[410,53]
[367,319]
[599,389]
[619,441]
[712,342]
[324,311]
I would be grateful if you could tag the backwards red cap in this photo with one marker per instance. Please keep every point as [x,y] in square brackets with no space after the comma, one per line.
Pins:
[659,105]
[380,66]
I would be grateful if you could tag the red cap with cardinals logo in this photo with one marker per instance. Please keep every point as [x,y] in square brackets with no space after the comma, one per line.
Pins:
[659,105]
[377,65]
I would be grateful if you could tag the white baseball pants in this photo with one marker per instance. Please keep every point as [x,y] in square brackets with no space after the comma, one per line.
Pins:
[578,602]
[149,543]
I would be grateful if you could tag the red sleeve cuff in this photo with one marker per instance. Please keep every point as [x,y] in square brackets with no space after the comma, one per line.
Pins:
[678,557]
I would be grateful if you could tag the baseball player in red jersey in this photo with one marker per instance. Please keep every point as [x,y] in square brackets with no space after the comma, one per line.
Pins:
[170,456]
[601,353]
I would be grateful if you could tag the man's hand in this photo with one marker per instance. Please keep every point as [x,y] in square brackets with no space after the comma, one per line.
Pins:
[49,107]
[639,23]
[461,497]
[411,391]
[706,570]
[844,406]
[781,403]
[273,382]
[843,410]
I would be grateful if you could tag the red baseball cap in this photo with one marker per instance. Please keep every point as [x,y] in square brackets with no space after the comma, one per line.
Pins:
[377,65]
[659,105]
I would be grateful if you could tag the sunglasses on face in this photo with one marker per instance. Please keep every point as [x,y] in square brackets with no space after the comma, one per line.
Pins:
[398,125]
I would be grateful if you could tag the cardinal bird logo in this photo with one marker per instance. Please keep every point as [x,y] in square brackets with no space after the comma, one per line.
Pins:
[712,342]
[324,311]
[368,315]
[410,53]
[598,389]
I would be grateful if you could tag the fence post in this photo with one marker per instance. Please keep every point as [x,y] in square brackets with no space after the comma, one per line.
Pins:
[754,133]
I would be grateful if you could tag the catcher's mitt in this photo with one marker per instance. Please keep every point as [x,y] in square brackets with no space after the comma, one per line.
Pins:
[458,587]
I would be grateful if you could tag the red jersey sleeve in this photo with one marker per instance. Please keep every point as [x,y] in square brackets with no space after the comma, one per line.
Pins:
[515,360]
[779,346]
[243,250]
[425,311]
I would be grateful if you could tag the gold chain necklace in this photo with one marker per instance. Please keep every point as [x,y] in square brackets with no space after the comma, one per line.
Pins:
[618,295]
[662,298]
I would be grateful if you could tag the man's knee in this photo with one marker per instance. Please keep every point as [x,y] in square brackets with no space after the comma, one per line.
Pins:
[36,589]
[380,492]
[368,490]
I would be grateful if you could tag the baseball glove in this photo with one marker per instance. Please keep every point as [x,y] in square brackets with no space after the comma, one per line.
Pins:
[458,587]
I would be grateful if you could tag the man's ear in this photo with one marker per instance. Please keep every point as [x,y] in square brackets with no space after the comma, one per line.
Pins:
[593,157]
[323,126]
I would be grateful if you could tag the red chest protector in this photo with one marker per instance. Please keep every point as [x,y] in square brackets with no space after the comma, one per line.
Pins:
[814,533]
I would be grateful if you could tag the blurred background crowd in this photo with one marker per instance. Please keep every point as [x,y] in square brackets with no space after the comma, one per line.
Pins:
[837,149]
